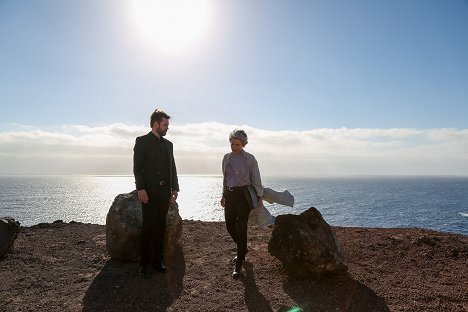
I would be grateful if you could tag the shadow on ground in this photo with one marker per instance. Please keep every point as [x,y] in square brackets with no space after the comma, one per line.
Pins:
[335,293]
[254,299]
[118,287]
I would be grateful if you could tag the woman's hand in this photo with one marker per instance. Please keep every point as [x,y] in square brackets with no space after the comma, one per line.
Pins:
[260,201]
[223,201]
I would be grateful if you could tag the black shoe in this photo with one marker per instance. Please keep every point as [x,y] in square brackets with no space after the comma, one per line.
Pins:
[238,268]
[235,258]
[160,266]
[143,271]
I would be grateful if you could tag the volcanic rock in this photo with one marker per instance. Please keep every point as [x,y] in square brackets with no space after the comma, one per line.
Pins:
[306,245]
[9,229]
[123,226]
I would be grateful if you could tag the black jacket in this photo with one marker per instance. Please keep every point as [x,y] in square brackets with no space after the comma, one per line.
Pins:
[144,163]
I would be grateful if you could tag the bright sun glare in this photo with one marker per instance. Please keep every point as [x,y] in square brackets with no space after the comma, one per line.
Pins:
[172,24]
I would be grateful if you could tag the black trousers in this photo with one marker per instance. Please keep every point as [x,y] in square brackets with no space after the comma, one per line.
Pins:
[236,214]
[154,225]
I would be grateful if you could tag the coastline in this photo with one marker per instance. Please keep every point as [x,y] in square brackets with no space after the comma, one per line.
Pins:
[392,201]
[65,266]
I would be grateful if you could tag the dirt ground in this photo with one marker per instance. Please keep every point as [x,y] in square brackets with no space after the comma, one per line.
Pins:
[65,267]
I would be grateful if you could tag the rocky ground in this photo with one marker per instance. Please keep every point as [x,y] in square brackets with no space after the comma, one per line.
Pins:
[65,267]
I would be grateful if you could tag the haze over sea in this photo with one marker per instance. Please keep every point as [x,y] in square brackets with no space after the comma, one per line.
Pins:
[438,203]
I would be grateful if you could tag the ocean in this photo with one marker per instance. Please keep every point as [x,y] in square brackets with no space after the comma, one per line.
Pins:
[437,203]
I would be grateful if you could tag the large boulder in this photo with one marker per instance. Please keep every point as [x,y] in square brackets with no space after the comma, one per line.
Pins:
[306,245]
[9,229]
[123,227]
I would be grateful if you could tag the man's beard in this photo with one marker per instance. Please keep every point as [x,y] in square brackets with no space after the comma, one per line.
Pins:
[161,132]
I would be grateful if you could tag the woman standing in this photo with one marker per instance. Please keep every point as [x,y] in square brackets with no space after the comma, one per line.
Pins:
[240,172]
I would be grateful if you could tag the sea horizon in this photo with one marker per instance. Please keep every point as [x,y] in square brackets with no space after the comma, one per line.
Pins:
[263,176]
[375,201]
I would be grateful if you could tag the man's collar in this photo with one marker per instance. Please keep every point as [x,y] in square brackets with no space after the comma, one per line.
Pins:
[155,137]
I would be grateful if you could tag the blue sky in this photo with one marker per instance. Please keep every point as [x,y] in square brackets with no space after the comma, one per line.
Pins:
[361,87]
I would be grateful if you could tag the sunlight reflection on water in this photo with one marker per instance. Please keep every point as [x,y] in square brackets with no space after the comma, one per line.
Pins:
[435,203]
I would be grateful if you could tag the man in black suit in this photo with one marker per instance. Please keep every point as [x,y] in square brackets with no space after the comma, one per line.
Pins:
[157,184]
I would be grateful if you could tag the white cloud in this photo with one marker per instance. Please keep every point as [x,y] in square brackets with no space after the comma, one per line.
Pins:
[107,149]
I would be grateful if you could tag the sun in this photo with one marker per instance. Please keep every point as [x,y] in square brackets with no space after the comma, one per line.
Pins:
[172,24]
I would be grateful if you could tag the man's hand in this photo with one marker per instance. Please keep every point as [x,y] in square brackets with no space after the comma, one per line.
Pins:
[174,196]
[143,196]
[223,201]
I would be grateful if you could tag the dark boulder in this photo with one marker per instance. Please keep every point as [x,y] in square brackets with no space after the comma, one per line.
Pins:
[123,227]
[9,229]
[306,245]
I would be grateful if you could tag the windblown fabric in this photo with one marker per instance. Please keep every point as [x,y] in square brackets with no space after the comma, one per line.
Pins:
[260,215]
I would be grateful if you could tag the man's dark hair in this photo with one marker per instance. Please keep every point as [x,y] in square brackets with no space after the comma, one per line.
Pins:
[157,116]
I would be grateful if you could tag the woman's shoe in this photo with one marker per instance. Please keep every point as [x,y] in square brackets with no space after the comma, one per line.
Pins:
[238,268]
[235,258]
